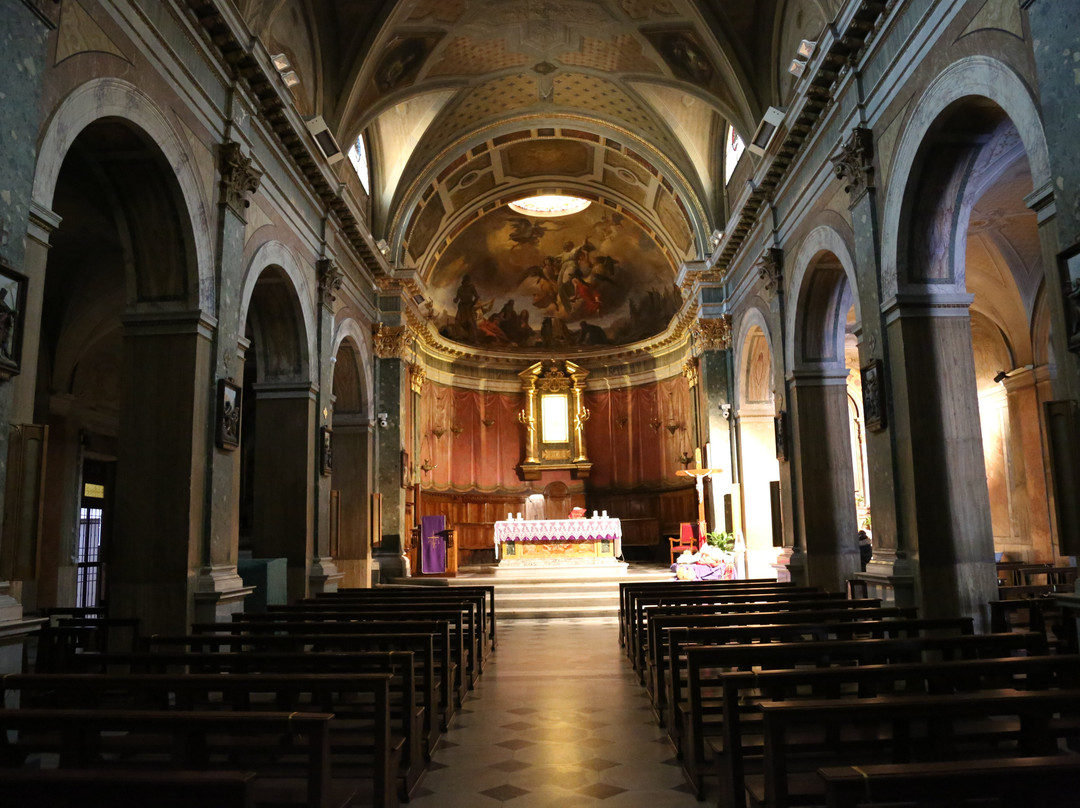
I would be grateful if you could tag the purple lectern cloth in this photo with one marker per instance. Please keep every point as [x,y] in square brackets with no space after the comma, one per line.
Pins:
[432,545]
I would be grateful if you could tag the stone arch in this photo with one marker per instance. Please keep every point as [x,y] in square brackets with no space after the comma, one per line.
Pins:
[112,98]
[350,330]
[296,300]
[971,77]
[814,291]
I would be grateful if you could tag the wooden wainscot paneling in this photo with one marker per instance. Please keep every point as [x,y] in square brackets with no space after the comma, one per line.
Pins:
[474,517]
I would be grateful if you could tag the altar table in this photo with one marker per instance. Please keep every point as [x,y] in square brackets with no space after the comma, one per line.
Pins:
[558,539]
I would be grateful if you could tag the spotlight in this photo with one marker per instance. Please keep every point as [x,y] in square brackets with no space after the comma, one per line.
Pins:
[281,62]
[1001,374]
[806,49]
[384,248]
[716,237]
[759,143]
[796,68]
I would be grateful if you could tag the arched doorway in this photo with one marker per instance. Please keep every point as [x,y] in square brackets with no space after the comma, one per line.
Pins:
[825,511]
[758,464]
[350,495]
[120,382]
[277,467]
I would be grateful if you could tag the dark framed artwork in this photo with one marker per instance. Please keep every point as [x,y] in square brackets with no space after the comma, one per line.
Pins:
[326,451]
[229,402]
[12,319]
[873,396]
[406,470]
[1069,267]
[781,430]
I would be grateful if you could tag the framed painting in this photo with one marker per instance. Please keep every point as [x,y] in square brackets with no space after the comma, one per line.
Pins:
[1069,267]
[780,429]
[12,319]
[229,402]
[873,396]
[326,451]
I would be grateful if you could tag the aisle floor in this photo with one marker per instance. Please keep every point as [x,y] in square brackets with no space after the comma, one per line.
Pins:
[558,719]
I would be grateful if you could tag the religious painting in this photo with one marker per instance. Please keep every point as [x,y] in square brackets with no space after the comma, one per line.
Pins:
[873,397]
[590,279]
[1069,264]
[229,399]
[402,60]
[780,429]
[326,452]
[12,318]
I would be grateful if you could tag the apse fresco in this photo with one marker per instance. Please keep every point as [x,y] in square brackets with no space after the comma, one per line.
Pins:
[570,283]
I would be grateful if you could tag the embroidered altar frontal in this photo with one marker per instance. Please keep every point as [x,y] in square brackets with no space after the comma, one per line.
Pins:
[573,541]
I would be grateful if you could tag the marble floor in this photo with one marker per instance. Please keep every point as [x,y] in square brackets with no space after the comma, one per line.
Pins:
[558,719]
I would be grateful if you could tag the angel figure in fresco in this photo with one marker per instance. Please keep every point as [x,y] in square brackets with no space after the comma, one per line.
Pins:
[546,279]
[527,232]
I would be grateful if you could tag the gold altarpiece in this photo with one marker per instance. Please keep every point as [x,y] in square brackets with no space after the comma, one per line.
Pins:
[554,419]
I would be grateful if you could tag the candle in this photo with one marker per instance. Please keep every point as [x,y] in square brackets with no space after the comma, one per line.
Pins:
[697,457]
[604,514]
[595,514]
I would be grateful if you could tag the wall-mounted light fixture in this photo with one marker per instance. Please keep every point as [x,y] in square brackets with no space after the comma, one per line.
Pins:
[438,431]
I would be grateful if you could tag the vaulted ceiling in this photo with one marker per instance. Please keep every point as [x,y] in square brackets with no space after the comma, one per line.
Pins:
[624,101]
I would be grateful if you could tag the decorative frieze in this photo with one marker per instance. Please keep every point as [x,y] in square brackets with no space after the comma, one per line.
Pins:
[855,163]
[239,178]
[770,269]
[711,334]
[392,342]
[330,277]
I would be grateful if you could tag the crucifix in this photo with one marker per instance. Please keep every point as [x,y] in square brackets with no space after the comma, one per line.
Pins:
[699,474]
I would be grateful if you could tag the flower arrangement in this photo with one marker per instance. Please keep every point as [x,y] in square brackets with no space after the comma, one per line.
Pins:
[721,540]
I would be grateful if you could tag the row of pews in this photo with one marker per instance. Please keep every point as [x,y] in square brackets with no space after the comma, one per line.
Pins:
[785,695]
[335,701]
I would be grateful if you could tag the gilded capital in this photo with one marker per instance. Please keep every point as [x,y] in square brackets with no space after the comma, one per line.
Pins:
[710,334]
[392,342]
[239,178]
[417,377]
[690,371]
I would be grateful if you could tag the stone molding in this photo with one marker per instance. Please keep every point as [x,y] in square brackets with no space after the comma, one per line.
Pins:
[330,277]
[854,165]
[239,178]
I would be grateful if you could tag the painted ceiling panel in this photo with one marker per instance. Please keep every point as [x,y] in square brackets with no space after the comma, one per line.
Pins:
[695,124]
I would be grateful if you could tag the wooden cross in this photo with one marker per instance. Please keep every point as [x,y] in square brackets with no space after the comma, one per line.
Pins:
[699,474]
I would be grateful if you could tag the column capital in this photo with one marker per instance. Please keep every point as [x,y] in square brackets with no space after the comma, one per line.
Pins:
[854,165]
[770,267]
[239,178]
[392,342]
[330,277]
[712,333]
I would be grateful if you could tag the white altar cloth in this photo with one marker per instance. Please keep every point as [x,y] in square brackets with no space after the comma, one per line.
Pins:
[601,528]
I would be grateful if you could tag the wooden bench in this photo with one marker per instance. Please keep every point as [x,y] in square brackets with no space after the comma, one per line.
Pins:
[739,747]
[296,654]
[364,734]
[117,788]
[691,720]
[290,752]
[663,619]
[628,593]
[330,636]
[998,782]
[900,729]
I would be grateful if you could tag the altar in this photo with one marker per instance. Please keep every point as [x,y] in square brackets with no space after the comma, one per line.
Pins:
[525,542]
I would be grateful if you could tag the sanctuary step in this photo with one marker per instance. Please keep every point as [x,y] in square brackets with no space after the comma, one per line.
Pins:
[545,592]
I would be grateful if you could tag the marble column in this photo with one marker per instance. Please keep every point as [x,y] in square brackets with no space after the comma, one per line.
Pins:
[821,456]
[284,485]
[391,389]
[940,470]
[156,545]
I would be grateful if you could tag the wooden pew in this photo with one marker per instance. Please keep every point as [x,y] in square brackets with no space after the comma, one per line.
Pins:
[628,591]
[660,622]
[739,747]
[692,720]
[328,635]
[363,738]
[706,664]
[169,740]
[903,728]
[116,788]
[287,653]
[643,603]
[998,782]
[463,618]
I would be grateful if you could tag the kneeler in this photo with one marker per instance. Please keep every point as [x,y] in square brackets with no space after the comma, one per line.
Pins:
[432,544]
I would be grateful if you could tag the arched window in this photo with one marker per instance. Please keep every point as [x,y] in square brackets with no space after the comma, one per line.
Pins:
[733,151]
[359,159]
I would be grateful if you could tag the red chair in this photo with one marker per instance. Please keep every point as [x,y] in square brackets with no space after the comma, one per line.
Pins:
[689,539]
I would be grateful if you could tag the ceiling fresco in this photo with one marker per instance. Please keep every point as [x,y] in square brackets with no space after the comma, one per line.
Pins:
[509,282]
